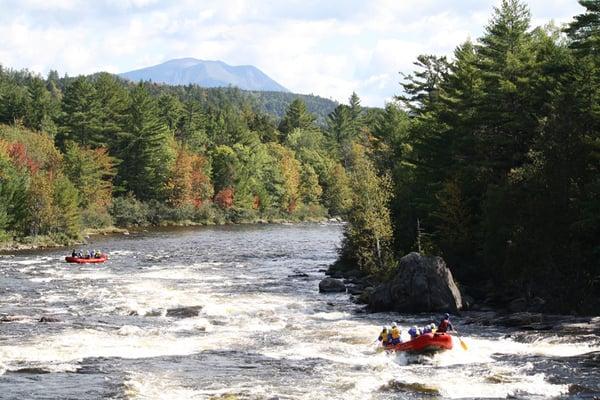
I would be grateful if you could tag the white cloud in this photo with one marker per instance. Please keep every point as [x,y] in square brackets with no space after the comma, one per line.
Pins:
[330,49]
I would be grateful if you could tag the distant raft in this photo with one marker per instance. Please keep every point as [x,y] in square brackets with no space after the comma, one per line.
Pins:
[89,260]
[425,343]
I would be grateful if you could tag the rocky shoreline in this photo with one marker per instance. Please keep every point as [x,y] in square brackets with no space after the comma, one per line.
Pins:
[420,280]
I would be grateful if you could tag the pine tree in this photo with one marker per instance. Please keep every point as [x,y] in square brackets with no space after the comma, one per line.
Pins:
[296,116]
[171,111]
[80,120]
[41,109]
[508,111]
[146,149]
[584,32]
[421,88]
[112,101]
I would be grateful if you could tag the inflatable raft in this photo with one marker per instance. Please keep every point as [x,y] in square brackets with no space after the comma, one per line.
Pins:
[83,260]
[425,343]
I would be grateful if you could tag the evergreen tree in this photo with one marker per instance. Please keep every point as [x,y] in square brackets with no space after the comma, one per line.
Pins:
[171,111]
[421,88]
[192,129]
[112,101]
[146,149]
[41,109]
[296,116]
[584,31]
[80,119]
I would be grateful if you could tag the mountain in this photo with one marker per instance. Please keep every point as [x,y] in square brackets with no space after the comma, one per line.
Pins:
[184,71]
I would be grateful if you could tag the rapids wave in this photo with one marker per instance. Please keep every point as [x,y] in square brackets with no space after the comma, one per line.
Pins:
[261,331]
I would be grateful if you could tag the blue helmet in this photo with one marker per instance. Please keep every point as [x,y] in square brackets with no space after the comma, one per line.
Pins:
[446,316]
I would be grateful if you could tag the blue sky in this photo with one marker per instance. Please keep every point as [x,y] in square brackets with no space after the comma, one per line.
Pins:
[329,48]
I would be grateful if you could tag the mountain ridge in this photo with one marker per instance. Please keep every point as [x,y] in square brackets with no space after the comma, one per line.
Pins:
[206,73]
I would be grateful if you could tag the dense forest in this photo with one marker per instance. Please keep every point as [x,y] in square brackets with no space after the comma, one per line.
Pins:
[492,160]
[93,151]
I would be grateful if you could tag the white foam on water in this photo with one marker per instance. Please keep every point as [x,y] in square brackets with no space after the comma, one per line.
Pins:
[121,252]
[41,280]
[331,316]
[29,261]
[127,342]
[171,273]
[91,275]
[148,386]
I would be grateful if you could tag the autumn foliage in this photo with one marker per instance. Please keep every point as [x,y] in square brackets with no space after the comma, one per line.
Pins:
[224,198]
[189,184]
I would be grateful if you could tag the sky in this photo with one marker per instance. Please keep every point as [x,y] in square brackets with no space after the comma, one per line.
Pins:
[328,48]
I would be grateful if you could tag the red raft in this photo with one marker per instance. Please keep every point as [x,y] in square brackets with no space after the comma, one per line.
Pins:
[83,260]
[425,343]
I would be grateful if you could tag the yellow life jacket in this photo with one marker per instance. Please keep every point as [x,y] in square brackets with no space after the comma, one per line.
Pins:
[384,336]
[395,333]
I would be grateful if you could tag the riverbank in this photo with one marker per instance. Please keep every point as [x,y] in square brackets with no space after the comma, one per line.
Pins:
[484,306]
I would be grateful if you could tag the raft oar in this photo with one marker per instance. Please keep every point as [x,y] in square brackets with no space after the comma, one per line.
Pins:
[462,343]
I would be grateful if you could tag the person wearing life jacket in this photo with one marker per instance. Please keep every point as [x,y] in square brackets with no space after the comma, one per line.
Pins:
[427,329]
[445,325]
[395,333]
[414,332]
[383,336]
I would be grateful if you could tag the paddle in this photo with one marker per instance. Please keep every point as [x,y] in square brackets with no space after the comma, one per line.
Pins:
[462,343]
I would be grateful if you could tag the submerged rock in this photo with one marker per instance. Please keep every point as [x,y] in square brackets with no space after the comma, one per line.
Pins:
[49,318]
[421,284]
[331,285]
[12,318]
[184,312]
[520,319]
[414,387]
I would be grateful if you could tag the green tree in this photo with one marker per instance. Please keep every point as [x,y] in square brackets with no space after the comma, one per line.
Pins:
[92,171]
[368,234]
[147,149]
[171,111]
[65,201]
[112,101]
[584,31]
[421,88]
[41,107]
[310,190]
[80,119]
[296,116]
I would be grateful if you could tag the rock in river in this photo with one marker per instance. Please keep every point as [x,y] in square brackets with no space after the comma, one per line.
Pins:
[331,285]
[184,312]
[49,318]
[421,284]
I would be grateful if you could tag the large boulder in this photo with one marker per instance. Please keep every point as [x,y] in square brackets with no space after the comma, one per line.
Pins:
[331,285]
[421,284]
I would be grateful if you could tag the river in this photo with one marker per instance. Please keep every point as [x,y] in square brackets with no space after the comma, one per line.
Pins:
[263,331]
